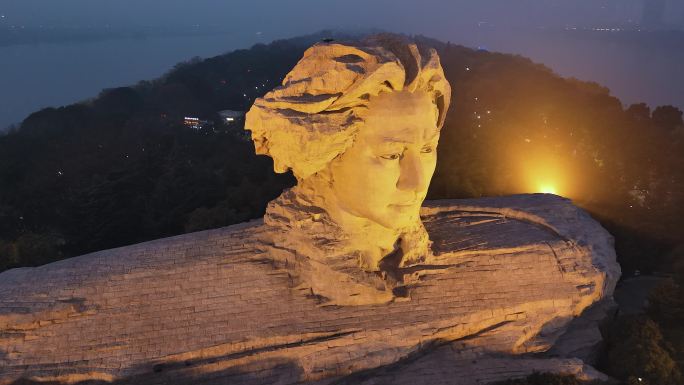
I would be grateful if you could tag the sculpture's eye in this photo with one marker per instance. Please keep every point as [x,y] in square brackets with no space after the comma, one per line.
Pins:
[427,149]
[391,156]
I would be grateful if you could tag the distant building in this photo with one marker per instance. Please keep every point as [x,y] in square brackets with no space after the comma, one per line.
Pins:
[230,121]
[196,123]
[192,122]
[230,117]
[233,122]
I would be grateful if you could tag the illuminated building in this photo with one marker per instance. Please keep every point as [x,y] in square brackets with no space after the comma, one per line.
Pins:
[230,117]
[196,123]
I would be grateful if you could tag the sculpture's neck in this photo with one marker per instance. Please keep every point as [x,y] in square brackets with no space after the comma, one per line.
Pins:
[310,221]
[370,239]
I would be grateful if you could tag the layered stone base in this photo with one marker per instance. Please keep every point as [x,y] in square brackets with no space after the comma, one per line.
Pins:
[508,276]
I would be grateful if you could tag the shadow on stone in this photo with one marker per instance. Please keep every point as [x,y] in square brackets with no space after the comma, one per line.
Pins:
[271,371]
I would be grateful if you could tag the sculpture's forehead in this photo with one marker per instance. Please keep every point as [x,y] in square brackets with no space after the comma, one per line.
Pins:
[401,117]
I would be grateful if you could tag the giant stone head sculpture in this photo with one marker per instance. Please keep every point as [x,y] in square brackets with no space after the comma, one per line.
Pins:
[358,125]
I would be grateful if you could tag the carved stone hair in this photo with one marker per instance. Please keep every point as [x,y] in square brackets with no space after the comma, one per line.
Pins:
[317,111]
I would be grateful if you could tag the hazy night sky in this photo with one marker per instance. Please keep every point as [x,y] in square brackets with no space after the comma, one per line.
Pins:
[287,18]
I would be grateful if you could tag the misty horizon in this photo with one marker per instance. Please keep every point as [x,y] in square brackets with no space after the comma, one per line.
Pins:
[59,53]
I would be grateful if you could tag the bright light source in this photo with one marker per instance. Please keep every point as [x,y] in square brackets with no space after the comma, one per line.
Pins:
[229,119]
[547,189]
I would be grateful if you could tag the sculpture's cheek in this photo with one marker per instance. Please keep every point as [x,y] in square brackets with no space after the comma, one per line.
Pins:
[368,192]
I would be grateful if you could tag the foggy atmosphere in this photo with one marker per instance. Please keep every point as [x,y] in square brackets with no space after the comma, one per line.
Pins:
[346,192]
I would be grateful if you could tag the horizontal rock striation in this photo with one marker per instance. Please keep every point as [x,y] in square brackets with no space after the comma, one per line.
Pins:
[508,276]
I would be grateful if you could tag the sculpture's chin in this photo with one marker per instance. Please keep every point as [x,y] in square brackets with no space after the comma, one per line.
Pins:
[398,217]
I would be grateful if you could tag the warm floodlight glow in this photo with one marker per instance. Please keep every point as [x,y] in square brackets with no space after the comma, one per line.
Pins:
[548,189]
[538,170]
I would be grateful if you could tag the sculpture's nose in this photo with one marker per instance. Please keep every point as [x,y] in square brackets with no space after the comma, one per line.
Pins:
[412,176]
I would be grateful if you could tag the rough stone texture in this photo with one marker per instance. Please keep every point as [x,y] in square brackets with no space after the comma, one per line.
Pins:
[358,124]
[507,277]
[312,117]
